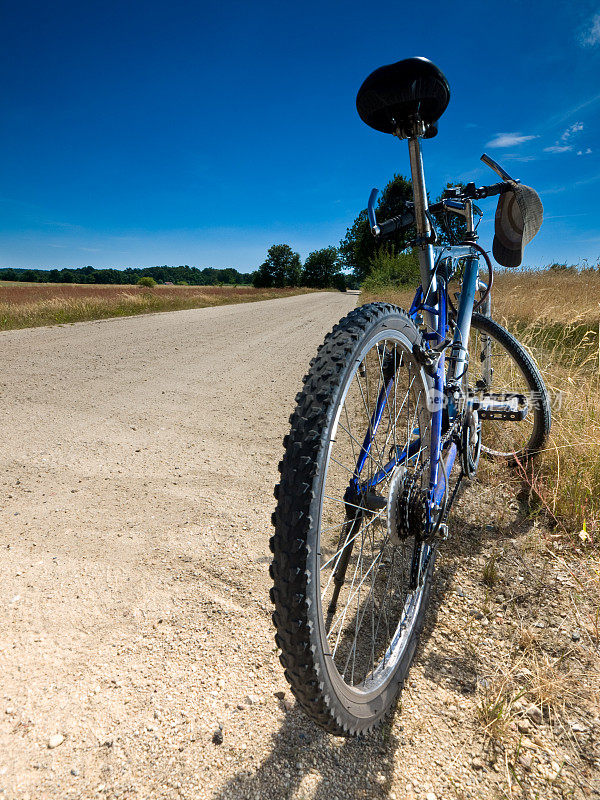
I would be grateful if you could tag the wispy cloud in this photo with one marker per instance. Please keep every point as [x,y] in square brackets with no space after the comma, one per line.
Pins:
[558,148]
[564,216]
[517,157]
[574,128]
[586,181]
[563,145]
[585,152]
[508,139]
[590,37]
[569,113]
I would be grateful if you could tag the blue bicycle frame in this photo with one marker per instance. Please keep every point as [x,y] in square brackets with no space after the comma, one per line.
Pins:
[430,306]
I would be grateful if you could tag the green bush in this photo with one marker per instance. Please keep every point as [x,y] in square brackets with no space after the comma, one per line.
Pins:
[147,281]
[392,269]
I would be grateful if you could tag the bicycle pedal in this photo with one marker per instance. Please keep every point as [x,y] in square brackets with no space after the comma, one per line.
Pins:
[443,532]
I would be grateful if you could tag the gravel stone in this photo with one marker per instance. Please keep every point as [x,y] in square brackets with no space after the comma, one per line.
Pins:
[534,714]
[55,741]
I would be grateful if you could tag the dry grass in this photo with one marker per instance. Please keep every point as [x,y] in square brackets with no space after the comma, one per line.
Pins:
[556,315]
[27,305]
[537,705]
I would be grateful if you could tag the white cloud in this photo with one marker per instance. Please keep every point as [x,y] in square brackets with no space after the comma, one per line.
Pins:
[574,128]
[508,139]
[585,152]
[562,145]
[591,36]
[516,157]
[558,148]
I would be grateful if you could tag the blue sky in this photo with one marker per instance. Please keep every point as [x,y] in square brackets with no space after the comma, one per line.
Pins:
[136,134]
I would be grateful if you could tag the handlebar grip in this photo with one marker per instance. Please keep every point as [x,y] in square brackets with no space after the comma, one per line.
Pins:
[495,188]
[395,223]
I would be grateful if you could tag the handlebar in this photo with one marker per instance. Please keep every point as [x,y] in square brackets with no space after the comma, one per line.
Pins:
[495,188]
[469,192]
[393,223]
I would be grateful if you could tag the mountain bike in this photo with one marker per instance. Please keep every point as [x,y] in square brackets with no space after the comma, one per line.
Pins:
[395,412]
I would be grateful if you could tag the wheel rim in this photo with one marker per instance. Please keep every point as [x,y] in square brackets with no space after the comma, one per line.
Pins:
[366,635]
[501,438]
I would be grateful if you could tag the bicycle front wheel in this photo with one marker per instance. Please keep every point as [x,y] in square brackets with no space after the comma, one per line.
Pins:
[350,581]
[499,366]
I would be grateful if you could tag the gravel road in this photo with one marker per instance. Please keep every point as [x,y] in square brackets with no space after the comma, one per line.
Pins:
[138,461]
[137,657]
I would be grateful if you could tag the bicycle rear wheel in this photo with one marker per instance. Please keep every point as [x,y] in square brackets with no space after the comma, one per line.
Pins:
[500,366]
[351,580]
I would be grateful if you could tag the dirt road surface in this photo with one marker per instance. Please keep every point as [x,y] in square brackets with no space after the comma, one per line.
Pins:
[136,651]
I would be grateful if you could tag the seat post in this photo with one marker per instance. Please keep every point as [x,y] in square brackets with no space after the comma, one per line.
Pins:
[419,189]
[422,221]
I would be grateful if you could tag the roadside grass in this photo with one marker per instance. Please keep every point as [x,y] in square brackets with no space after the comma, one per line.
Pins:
[556,316]
[28,305]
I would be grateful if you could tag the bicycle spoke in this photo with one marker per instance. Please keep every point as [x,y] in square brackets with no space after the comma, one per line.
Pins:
[363,578]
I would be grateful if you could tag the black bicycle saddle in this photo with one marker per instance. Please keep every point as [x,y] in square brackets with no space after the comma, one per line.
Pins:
[391,97]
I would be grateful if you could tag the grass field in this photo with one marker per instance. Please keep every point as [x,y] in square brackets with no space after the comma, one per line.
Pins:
[26,305]
[556,315]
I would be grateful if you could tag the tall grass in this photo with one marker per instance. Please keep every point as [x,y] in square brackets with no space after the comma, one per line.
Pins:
[556,315]
[34,304]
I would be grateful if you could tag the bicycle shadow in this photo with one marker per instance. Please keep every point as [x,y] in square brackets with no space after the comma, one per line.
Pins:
[307,761]
[306,758]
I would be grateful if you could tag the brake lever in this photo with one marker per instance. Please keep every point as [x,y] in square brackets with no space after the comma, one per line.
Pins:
[371,212]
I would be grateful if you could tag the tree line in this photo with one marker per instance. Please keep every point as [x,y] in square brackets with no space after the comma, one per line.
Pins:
[183,275]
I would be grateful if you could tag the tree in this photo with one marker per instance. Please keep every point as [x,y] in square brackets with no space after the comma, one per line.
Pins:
[321,268]
[147,281]
[359,246]
[281,268]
